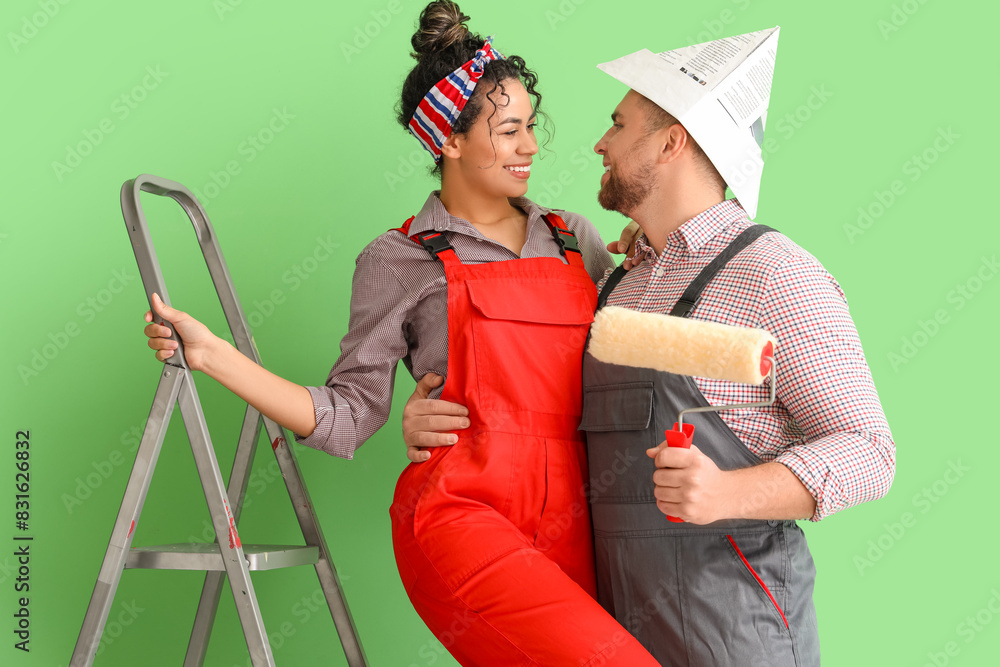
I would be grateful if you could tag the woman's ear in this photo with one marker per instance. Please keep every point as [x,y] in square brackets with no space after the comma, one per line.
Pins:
[452,146]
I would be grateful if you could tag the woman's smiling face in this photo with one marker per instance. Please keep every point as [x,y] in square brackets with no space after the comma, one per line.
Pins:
[495,154]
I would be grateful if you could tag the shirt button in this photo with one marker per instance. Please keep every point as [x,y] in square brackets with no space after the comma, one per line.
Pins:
[659,272]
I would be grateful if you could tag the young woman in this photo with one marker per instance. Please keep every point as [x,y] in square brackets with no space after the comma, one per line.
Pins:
[494,293]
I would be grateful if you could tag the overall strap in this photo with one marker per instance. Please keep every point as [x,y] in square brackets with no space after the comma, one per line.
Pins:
[405,229]
[565,238]
[609,285]
[437,245]
[689,299]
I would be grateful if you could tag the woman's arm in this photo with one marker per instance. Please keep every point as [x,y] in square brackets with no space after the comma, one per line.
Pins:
[278,399]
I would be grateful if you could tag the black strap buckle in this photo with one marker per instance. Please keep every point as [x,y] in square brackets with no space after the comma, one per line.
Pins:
[683,307]
[434,242]
[566,240]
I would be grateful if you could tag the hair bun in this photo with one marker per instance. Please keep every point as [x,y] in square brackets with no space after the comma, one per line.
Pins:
[441,24]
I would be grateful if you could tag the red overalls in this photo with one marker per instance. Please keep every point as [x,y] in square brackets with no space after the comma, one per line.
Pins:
[492,535]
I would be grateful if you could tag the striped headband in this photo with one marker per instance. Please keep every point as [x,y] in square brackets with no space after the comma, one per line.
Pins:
[437,112]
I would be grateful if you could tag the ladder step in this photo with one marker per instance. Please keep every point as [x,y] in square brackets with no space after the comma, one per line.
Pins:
[206,556]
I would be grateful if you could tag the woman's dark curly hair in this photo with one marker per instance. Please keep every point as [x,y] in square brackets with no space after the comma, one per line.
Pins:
[442,44]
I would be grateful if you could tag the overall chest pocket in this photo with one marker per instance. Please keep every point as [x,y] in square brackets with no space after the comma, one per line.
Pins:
[529,339]
[619,425]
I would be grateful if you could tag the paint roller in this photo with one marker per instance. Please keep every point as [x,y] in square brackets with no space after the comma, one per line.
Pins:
[685,347]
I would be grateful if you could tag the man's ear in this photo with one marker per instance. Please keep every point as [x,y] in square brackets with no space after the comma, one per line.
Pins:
[452,146]
[671,141]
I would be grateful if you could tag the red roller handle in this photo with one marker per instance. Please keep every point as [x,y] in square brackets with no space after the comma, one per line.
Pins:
[679,438]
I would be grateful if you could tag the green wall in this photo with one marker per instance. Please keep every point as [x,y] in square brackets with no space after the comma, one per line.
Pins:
[279,114]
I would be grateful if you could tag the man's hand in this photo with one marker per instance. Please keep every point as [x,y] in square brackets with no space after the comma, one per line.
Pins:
[690,486]
[426,421]
[626,245]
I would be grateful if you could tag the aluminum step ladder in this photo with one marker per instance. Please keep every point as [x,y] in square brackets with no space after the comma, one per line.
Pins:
[227,556]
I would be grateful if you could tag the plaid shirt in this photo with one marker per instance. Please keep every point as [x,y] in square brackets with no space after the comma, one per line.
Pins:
[399,310]
[827,425]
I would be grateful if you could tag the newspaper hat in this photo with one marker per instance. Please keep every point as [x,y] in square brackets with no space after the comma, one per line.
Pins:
[719,91]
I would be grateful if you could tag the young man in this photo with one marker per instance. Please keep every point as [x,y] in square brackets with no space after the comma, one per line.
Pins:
[732,585]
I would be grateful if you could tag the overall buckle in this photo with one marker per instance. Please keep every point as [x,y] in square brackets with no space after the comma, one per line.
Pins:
[566,240]
[434,242]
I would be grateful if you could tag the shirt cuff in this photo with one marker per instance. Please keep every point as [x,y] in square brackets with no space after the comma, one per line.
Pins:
[335,432]
[817,477]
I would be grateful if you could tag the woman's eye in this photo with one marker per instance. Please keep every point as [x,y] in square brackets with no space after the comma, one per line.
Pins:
[531,126]
[511,133]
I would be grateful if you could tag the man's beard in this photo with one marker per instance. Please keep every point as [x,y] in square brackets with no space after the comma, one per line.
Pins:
[626,193]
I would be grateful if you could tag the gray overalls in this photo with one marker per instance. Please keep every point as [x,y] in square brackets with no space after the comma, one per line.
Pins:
[734,592]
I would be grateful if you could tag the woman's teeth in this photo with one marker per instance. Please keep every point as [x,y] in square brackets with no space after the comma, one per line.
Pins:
[520,169]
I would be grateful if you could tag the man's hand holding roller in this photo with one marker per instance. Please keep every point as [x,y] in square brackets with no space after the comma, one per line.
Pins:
[690,486]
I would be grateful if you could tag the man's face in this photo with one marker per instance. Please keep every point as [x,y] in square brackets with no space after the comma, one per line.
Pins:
[627,179]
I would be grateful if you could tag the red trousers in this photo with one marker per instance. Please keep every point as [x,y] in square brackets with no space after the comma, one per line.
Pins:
[492,536]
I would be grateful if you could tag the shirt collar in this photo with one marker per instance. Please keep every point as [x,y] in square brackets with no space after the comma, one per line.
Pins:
[696,232]
[702,228]
[435,216]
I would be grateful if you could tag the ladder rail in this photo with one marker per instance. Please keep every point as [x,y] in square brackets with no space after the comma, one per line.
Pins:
[136,490]
[226,532]
[211,593]
[311,530]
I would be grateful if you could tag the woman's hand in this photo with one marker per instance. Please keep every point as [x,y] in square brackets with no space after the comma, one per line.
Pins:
[426,421]
[198,340]
[626,245]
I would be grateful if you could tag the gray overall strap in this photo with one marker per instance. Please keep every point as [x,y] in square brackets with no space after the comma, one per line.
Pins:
[687,302]
[610,284]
